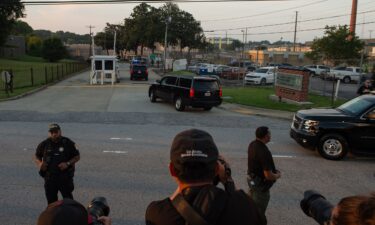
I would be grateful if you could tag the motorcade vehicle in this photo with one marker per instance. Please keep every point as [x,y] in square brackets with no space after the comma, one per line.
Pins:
[138,71]
[347,75]
[262,76]
[184,90]
[317,70]
[335,132]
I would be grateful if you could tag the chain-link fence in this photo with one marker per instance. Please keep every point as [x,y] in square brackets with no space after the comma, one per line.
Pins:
[14,78]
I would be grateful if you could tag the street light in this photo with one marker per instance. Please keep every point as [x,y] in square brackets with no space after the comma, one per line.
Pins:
[167,21]
[243,44]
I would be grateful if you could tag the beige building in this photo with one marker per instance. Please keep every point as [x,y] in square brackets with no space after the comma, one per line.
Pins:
[264,57]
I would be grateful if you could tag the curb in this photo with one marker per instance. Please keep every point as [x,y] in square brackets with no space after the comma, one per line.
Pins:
[254,111]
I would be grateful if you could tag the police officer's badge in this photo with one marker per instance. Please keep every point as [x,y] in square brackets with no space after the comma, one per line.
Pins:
[61,149]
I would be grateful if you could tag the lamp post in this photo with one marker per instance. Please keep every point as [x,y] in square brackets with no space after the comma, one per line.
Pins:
[167,21]
[243,44]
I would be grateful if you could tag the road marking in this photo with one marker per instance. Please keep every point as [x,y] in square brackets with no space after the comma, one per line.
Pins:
[284,156]
[118,138]
[116,152]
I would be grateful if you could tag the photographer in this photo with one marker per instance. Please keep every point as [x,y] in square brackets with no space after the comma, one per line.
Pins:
[195,165]
[69,212]
[352,210]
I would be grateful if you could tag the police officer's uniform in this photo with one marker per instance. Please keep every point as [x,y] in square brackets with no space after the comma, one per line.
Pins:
[53,153]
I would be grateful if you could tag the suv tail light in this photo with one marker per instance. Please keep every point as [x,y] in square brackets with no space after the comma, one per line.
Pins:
[221,92]
[146,72]
[191,93]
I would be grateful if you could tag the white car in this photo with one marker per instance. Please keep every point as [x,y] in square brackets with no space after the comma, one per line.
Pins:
[262,76]
[317,69]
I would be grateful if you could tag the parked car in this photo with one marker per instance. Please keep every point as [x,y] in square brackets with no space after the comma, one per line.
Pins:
[194,67]
[316,70]
[195,91]
[138,71]
[335,132]
[220,69]
[347,75]
[262,76]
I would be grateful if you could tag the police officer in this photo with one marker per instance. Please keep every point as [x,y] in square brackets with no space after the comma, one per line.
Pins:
[262,173]
[55,158]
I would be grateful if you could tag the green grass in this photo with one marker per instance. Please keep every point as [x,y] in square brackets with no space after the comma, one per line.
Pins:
[31,72]
[259,97]
[182,72]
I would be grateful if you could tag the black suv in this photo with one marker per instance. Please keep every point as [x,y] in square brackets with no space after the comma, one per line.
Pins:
[335,132]
[138,72]
[200,92]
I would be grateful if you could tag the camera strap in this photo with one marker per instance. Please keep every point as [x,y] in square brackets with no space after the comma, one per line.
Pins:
[187,212]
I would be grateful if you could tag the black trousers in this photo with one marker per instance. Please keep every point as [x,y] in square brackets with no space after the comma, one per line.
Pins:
[55,183]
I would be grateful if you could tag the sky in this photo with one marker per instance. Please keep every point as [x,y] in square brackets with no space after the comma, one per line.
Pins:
[263,20]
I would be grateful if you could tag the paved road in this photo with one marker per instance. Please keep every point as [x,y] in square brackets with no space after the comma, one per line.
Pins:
[124,141]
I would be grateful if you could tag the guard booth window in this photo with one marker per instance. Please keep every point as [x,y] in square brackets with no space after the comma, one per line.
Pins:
[98,65]
[108,64]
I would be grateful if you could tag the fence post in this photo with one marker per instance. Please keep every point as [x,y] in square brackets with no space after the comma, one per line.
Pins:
[66,68]
[52,73]
[32,76]
[57,72]
[45,74]
[62,70]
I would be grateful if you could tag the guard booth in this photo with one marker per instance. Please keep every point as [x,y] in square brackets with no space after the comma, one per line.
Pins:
[104,69]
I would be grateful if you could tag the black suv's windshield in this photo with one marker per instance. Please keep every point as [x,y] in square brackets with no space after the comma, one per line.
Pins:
[206,85]
[355,106]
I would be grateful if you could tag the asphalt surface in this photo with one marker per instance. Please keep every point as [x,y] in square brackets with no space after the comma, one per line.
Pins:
[124,142]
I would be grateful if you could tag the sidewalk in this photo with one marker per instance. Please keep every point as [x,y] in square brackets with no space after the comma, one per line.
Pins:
[249,110]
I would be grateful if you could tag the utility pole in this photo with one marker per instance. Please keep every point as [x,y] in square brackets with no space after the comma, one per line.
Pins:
[90,51]
[246,37]
[295,33]
[370,31]
[353,18]
[167,21]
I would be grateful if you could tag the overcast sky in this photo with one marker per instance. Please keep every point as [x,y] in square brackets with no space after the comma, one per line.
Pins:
[220,19]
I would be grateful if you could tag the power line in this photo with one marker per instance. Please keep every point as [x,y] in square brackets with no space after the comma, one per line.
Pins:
[292,22]
[291,31]
[266,13]
[79,2]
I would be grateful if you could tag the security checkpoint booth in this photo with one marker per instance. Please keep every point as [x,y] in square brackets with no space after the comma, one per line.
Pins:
[104,69]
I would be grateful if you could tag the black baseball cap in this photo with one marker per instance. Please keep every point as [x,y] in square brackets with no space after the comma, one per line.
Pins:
[64,212]
[193,146]
[53,127]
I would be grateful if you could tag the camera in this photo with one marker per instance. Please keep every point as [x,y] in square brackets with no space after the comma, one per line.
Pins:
[316,206]
[98,207]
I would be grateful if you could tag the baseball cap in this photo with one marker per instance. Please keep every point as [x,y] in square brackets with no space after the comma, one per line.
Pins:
[53,126]
[64,212]
[193,146]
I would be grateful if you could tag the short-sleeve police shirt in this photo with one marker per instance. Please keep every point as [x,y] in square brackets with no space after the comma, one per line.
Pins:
[259,159]
[56,152]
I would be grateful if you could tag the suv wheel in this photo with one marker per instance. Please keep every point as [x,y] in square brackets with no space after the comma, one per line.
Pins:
[178,104]
[152,96]
[207,108]
[131,77]
[333,147]
[263,81]
[346,80]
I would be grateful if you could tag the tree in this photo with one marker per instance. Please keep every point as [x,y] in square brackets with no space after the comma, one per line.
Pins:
[21,28]
[338,46]
[10,11]
[53,49]
[34,45]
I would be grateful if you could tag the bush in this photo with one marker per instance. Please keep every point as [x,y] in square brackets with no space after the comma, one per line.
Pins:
[53,49]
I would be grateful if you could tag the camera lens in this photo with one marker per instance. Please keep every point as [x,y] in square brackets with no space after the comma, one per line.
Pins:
[316,206]
[98,207]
